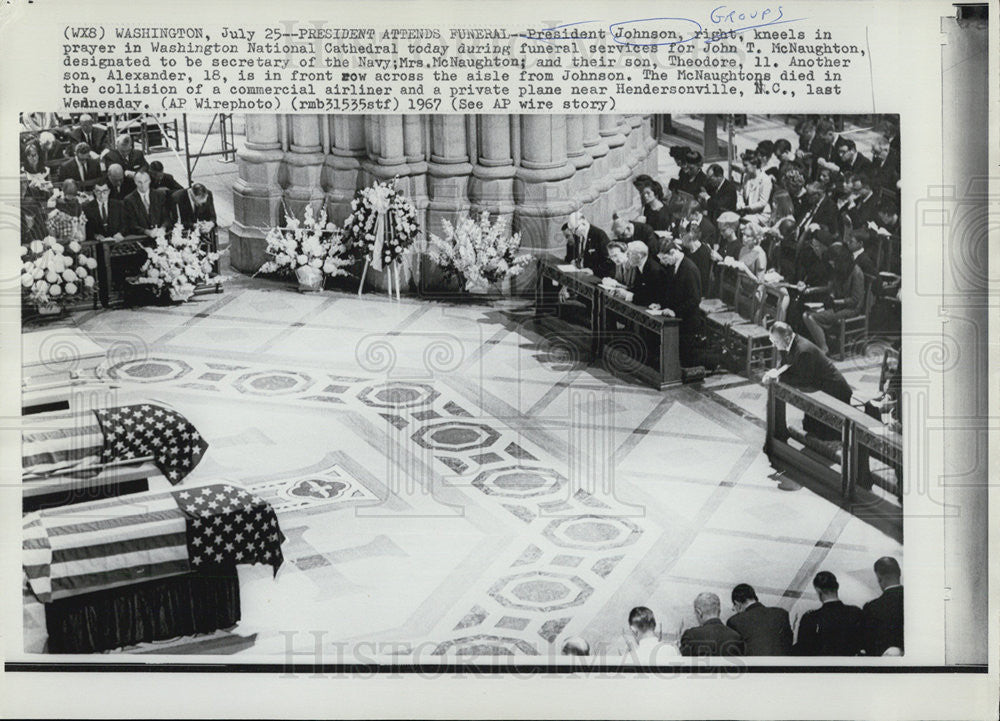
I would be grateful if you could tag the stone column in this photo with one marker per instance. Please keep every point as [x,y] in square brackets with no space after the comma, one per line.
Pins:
[304,163]
[584,190]
[603,181]
[385,149]
[256,193]
[543,183]
[448,174]
[492,185]
[650,146]
[343,164]
[638,152]
[613,133]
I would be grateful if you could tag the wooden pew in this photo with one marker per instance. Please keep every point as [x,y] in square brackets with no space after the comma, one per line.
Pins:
[647,347]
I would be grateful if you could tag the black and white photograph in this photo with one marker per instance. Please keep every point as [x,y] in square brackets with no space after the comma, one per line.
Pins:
[470,387]
[510,359]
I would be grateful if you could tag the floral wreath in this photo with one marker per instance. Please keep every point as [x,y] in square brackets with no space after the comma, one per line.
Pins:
[382,225]
[478,252]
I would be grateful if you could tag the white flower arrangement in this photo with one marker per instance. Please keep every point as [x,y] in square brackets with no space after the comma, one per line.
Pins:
[478,253]
[383,222]
[312,242]
[179,263]
[54,274]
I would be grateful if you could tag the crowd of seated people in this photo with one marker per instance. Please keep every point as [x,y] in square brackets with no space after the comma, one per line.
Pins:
[817,223]
[106,180]
[834,628]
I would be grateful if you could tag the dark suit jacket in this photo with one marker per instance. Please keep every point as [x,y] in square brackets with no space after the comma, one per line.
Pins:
[702,259]
[137,220]
[99,140]
[186,214]
[71,171]
[766,631]
[122,191]
[882,622]
[647,235]
[833,629]
[712,638]
[810,369]
[115,222]
[594,252]
[651,284]
[167,182]
[683,295]
[861,164]
[864,211]
[866,263]
[135,161]
[690,184]
[886,174]
[721,199]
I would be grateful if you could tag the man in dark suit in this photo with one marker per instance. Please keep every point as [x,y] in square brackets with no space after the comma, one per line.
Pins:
[628,230]
[650,278]
[882,618]
[589,247]
[193,205]
[96,136]
[105,215]
[683,300]
[160,180]
[857,243]
[833,629]
[849,160]
[145,209]
[806,367]
[885,166]
[863,207]
[766,631]
[126,156]
[82,169]
[119,185]
[712,637]
[719,194]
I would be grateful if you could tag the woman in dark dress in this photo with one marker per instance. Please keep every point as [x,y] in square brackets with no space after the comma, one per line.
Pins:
[656,213]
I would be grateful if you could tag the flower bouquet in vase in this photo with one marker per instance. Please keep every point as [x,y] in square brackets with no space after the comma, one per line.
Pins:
[480,254]
[311,249]
[178,264]
[382,226]
[54,274]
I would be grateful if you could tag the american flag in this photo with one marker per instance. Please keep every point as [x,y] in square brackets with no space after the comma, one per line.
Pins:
[83,440]
[228,525]
[94,546]
[152,430]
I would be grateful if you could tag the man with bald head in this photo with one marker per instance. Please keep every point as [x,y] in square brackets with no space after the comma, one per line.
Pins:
[882,618]
[125,155]
[119,186]
[711,637]
[95,136]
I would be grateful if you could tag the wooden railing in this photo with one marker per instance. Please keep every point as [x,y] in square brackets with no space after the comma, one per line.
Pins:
[842,465]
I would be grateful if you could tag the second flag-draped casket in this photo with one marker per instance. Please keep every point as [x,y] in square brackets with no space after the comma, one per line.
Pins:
[85,441]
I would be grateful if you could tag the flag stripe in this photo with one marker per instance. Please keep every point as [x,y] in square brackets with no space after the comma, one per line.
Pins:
[63,587]
[138,503]
[119,547]
[112,564]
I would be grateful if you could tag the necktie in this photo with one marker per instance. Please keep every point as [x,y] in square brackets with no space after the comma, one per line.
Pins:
[83,176]
[145,201]
[104,213]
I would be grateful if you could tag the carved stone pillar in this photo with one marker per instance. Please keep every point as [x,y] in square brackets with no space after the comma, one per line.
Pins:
[597,147]
[584,191]
[304,163]
[543,184]
[613,133]
[343,164]
[492,185]
[256,193]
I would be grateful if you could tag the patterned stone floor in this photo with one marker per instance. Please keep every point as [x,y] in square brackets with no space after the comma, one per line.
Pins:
[450,482]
